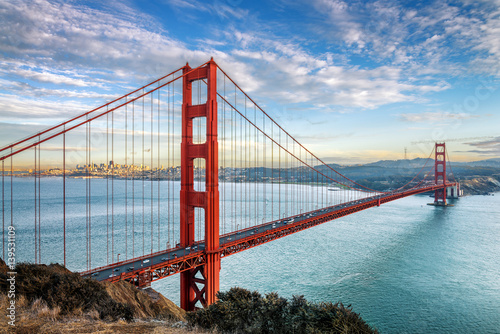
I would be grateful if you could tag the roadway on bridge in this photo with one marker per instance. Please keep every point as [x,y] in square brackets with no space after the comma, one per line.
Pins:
[143,263]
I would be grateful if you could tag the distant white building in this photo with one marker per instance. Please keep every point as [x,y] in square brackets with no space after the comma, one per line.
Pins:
[454,192]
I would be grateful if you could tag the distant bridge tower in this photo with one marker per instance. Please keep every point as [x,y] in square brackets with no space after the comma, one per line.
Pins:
[440,174]
[201,283]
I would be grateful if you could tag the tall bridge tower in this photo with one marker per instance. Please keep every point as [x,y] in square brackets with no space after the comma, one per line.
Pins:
[440,173]
[208,274]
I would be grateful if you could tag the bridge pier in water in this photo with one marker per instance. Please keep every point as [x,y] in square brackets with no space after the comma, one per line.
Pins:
[442,193]
[208,274]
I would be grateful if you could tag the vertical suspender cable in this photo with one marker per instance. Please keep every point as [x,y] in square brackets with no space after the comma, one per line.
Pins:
[3,209]
[87,164]
[233,163]
[151,170]
[171,185]
[142,177]
[169,168]
[64,196]
[255,163]
[244,166]
[133,179]
[113,186]
[90,195]
[36,211]
[286,179]
[158,170]
[264,168]
[126,179]
[272,174]
[11,191]
[107,187]
[172,170]
[241,170]
[39,203]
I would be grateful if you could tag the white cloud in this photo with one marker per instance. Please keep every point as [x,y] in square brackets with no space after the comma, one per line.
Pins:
[439,37]
[48,77]
[289,74]
[80,37]
[433,117]
[15,108]
[489,41]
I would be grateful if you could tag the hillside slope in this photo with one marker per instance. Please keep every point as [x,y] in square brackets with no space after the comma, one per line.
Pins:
[51,299]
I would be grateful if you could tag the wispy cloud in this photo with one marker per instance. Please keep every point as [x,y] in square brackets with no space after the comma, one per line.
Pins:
[220,8]
[487,147]
[430,38]
[433,117]
[61,35]
[290,74]
[16,108]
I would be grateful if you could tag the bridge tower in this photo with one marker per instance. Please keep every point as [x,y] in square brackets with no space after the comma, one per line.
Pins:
[440,174]
[207,275]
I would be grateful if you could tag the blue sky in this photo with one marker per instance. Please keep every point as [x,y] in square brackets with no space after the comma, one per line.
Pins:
[355,81]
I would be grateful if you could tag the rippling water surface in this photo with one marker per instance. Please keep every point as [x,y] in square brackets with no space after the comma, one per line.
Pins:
[405,267]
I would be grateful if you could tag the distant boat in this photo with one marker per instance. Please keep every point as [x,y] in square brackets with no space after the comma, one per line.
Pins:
[334,188]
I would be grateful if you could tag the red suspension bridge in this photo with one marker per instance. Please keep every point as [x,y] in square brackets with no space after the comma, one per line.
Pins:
[189,170]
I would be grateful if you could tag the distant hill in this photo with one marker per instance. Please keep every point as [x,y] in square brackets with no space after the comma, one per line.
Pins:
[419,162]
[385,175]
[495,163]
[404,163]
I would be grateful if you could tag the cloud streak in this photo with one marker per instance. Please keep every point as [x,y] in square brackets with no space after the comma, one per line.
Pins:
[434,117]
[487,147]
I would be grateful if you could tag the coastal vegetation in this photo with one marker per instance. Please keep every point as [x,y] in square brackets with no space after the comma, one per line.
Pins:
[242,311]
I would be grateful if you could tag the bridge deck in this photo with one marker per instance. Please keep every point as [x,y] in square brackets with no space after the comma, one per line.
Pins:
[141,271]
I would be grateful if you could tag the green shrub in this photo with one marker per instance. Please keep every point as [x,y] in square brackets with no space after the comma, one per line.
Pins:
[242,311]
[70,292]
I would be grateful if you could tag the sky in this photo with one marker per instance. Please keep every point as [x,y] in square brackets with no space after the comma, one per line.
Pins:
[354,81]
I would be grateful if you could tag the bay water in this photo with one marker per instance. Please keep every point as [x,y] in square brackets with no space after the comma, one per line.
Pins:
[405,267]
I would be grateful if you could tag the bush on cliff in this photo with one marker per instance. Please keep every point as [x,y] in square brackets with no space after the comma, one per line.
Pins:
[58,287]
[242,311]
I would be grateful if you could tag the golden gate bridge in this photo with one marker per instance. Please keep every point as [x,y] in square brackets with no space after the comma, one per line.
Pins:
[195,170]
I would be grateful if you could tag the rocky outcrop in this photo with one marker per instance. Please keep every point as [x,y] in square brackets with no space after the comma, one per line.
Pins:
[483,185]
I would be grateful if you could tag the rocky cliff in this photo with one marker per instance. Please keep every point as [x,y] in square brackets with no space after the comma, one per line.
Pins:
[482,185]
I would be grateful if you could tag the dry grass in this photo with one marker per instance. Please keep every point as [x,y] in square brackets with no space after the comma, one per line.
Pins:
[41,310]
[51,299]
[38,318]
